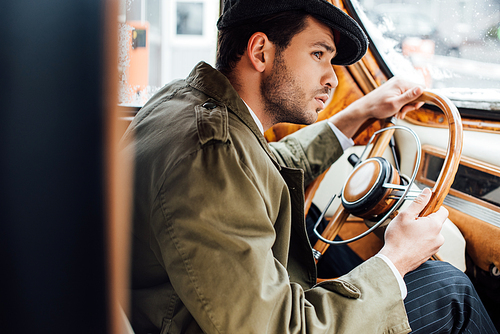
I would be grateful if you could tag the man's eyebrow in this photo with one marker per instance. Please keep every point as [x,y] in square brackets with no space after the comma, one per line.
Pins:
[326,46]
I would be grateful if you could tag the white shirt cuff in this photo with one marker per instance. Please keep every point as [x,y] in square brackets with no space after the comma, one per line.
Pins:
[399,278]
[343,140]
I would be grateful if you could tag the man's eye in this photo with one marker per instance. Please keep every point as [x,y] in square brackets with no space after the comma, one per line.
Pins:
[318,54]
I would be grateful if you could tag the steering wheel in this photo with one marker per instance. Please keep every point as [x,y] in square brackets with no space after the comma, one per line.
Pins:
[375,176]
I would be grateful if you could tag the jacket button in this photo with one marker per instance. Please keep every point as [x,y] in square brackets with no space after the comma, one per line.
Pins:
[209,105]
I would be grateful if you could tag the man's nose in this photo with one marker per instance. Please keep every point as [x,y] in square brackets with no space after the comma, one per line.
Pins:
[330,78]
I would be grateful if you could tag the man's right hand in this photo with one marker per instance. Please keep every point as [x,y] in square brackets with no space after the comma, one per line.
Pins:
[411,240]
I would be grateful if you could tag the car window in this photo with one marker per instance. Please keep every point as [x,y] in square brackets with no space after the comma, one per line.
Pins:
[451,46]
[160,41]
[448,45]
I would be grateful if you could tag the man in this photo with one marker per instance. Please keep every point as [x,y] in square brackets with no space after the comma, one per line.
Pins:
[219,238]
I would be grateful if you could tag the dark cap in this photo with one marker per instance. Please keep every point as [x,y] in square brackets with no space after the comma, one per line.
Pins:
[351,46]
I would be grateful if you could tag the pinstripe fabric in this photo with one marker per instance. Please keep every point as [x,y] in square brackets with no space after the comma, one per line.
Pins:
[441,298]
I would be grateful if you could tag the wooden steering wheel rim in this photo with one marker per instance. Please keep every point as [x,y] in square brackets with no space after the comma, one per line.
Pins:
[442,185]
[453,154]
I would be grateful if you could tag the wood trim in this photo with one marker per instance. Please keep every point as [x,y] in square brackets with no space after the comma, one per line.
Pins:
[373,68]
[118,181]
[465,161]
[435,119]
[363,77]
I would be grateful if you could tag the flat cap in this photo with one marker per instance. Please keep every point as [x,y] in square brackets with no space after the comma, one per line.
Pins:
[351,46]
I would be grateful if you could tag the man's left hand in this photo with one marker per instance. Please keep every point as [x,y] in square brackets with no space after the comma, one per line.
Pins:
[393,98]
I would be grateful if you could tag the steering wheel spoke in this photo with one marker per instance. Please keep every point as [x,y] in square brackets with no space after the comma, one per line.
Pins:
[399,190]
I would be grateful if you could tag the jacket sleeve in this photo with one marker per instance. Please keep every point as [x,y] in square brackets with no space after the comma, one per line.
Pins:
[215,227]
[312,149]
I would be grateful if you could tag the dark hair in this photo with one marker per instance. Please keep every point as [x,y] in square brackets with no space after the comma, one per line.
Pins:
[279,28]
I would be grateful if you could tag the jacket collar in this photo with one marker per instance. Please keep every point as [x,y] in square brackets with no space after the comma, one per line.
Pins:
[216,85]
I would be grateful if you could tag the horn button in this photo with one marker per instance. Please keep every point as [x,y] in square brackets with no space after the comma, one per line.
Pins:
[363,194]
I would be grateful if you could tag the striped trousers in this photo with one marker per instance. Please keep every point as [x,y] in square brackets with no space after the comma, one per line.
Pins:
[441,298]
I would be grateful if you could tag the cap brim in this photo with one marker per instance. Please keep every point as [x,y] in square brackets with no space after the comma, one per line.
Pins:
[353,43]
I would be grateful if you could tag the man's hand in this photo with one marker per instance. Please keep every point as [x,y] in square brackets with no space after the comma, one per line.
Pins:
[411,240]
[393,98]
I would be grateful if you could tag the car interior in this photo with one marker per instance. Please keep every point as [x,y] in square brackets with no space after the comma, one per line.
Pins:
[75,74]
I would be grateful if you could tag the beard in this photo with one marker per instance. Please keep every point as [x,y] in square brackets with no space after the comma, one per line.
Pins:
[284,99]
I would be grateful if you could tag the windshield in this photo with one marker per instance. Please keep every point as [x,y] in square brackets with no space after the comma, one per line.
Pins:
[448,45]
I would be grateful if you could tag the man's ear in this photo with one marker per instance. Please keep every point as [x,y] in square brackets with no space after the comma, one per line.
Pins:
[259,50]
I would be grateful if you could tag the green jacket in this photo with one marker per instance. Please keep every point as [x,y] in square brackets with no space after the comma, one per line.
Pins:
[219,241]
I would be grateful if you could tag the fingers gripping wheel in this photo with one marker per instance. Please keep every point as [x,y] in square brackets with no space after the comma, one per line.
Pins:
[364,194]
